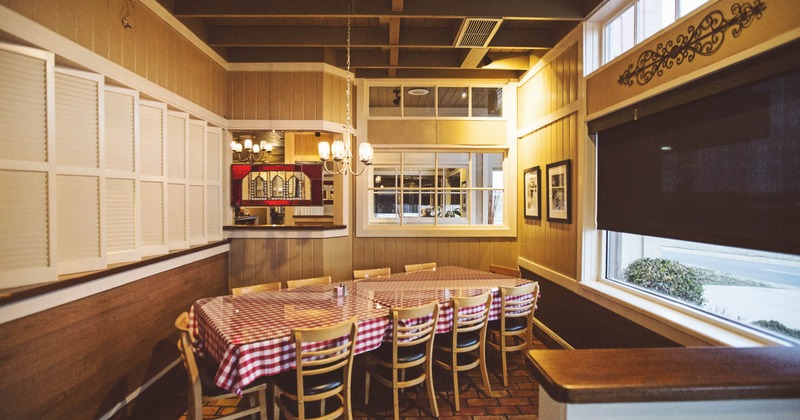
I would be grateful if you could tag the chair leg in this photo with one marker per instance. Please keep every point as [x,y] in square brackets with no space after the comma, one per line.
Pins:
[366,386]
[395,398]
[455,388]
[432,393]
[484,371]
[503,359]
[276,411]
[262,403]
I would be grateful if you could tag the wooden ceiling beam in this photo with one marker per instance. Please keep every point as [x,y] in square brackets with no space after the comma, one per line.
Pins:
[497,75]
[310,36]
[518,9]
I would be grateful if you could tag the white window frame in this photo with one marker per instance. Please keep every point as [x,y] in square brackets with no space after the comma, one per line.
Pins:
[508,229]
[595,31]
[435,91]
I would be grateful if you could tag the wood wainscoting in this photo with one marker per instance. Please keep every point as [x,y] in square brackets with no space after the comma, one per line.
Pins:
[82,358]
[586,325]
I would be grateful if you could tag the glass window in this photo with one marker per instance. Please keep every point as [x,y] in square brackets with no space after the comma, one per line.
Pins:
[437,188]
[754,288]
[687,6]
[653,15]
[487,102]
[419,101]
[453,101]
[619,34]
[384,101]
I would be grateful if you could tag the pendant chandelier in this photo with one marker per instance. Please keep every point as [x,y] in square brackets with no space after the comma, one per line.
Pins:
[250,151]
[341,150]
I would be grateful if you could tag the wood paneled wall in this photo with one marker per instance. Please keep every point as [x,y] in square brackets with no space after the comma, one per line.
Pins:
[151,48]
[548,115]
[586,325]
[475,253]
[78,360]
[283,95]
[257,261]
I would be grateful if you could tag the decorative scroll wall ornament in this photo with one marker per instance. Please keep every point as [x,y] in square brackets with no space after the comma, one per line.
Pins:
[704,39]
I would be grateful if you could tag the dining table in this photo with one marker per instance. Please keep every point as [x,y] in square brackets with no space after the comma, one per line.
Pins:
[250,335]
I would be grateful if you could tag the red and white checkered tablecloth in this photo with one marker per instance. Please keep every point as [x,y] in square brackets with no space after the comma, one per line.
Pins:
[250,334]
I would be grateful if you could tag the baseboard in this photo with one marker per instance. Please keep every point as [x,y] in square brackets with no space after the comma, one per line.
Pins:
[548,337]
[120,405]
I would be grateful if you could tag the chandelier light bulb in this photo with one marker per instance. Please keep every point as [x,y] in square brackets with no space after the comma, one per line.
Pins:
[365,153]
[324,149]
[248,144]
[338,150]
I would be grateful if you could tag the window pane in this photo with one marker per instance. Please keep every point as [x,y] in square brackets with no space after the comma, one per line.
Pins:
[453,101]
[419,207]
[385,207]
[483,166]
[487,102]
[384,101]
[756,288]
[453,208]
[687,6]
[619,34]
[419,102]
[654,15]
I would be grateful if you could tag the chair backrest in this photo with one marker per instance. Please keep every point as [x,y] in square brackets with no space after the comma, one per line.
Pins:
[238,291]
[466,321]
[419,267]
[508,271]
[291,284]
[372,272]
[322,350]
[514,307]
[190,363]
[414,326]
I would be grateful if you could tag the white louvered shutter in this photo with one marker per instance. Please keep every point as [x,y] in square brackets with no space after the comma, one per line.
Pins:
[177,126]
[121,109]
[197,217]
[79,170]
[27,241]
[213,183]
[176,204]
[152,185]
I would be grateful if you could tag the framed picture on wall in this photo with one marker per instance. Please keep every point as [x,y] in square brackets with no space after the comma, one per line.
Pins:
[531,180]
[558,192]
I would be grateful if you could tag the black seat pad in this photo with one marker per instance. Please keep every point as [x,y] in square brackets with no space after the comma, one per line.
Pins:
[314,384]
[464,339]
[512,324]
[404,354]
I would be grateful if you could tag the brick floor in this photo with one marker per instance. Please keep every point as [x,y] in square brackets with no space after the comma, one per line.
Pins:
[520,400]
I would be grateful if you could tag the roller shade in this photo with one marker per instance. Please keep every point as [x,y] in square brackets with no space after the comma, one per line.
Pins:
[723,169]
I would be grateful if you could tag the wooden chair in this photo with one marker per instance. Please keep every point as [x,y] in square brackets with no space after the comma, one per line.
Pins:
[410,268]
[201,381]
[291,284]
[324,359]
[238,291]
[508,271]
[373,272]
[515,323]
[412,346]
[456,349]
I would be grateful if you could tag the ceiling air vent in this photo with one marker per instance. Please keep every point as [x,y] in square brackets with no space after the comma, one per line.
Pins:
[477,32]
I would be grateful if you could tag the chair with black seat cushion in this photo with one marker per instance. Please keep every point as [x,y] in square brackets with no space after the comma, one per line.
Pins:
[410,268]
[413,330]
[508,271]
[456,350]
[372,272]
[201,373]
[324,365]
[518,305]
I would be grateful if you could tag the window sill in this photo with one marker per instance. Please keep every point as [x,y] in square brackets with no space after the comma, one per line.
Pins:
[663,315]
[439,231]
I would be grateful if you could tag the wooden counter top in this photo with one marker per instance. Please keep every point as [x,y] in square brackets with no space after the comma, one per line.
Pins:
[668,374]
